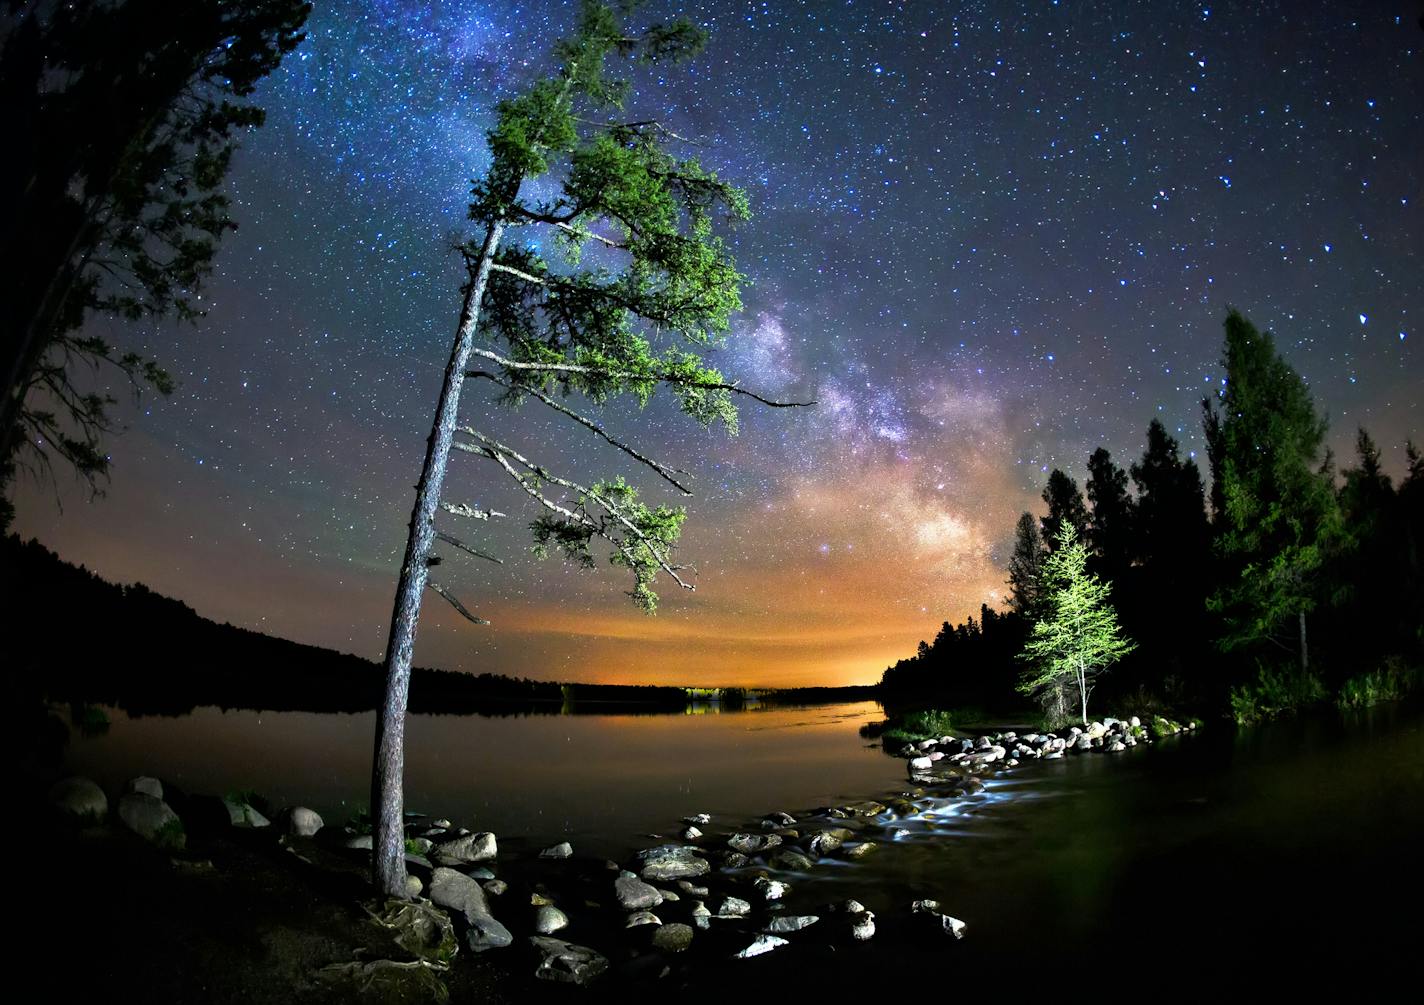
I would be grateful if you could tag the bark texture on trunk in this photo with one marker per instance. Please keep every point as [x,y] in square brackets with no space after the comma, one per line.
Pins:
[1304,649]
[387,777]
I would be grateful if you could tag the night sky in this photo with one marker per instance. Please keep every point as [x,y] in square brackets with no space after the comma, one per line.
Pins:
[989,237]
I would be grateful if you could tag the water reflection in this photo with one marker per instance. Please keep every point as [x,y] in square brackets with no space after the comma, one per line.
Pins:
[599,780]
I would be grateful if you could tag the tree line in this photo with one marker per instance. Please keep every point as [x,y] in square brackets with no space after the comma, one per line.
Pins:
[1282,579]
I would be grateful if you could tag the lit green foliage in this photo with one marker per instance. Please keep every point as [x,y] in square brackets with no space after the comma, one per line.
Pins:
[1275,692]
[622,281]
[925,725]
[1390,682]
[1274,503]
[1077,637]
[126,115]
[612,510]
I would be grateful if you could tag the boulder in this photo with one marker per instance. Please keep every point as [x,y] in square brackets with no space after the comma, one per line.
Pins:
[822,843]
[750,844]
[861,850]
[152,819]
[457,892]
[79,799]
[671,861]
[790,860]
[640,918]
[496,887]
[466,848]
[565,962]
[635,895]
[241,814]
[672,938]
[791,923]
[761,944]
[691,834]
[561,850]
[143,783]
[691,889]
[771,889]
[549,919]
[862,925]
[733,907]
[302,822]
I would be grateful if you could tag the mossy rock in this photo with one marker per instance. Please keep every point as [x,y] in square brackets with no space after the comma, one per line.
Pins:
[421,930]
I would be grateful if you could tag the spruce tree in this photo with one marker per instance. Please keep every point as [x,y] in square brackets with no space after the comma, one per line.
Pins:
[1110,528]
[1276,509]
[1065,505]
[1026,566]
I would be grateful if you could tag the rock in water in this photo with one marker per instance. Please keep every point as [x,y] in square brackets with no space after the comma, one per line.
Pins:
[672,861]
[862,925]
[639,918]
[791,923]
[148,786]
[152,819]
[771,889]
[762,944]
[733,907]
[561,850]
[303,822]
[672,938]
[240,814]
[750,844]
[458,892]
[79,799]
[635,895]
[549,919]
[467,848]
[567,963]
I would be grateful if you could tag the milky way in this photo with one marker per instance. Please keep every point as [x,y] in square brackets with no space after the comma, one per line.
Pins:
[988,238]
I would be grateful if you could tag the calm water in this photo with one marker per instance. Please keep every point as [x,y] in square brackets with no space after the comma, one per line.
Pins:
[600,781]
[1280,855]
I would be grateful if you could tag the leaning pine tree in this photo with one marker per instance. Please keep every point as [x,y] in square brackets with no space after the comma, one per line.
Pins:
[638,287]
[1076,636]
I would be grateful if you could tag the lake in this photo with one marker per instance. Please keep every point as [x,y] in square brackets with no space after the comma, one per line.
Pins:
[1266,852]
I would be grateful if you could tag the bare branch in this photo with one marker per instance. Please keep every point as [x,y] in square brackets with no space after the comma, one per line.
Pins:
[583,234]
[455,542]
[454,601]
[500,453]
[576,369]
[464,509]
[516,273]
[663,470]
[653,124]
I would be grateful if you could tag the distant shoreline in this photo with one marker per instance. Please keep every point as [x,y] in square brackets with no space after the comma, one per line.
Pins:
[79,639]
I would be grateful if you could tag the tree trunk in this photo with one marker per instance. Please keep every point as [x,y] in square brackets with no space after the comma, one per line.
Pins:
[1304,649]
[387,796]
[1083,693]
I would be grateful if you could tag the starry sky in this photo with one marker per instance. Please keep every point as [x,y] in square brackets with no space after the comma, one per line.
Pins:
[988,238]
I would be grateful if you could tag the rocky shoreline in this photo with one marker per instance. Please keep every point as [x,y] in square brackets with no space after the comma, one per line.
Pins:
[703,895]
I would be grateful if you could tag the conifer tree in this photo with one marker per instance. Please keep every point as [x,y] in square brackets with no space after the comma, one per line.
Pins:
[599,273]
[1110,529]
[1276,507]
[1065,505]
[1026,566]
[1077,637]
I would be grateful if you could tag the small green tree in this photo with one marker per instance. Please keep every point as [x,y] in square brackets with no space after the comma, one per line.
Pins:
[1077,637]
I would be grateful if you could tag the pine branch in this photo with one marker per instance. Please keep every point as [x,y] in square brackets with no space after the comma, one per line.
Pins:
[455,542]
[454,602]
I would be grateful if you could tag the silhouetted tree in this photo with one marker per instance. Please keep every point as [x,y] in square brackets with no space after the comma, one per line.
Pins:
[1025,566]
[1065,504]
[1110,530]
[120,119]
[1277,504]
[574,178]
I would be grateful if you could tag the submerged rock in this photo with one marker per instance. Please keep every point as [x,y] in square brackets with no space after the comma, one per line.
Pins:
[79,799]
[567,963]
[790,860]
